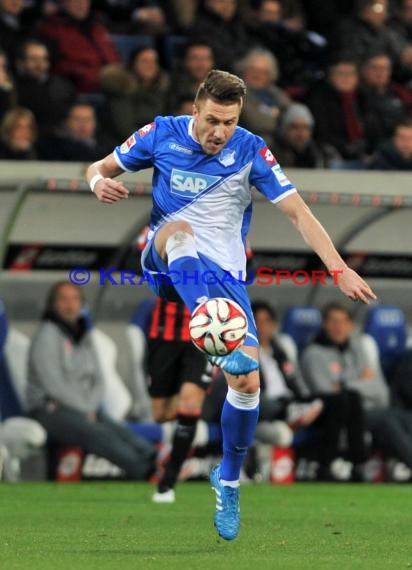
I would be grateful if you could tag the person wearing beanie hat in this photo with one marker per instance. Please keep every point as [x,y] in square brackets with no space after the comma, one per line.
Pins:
[294,145]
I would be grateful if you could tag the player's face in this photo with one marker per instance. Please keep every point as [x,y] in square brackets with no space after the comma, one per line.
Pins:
[68,303]
[214,124]
[338,326]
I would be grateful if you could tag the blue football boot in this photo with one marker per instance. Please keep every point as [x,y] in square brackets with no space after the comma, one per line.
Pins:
[227,514]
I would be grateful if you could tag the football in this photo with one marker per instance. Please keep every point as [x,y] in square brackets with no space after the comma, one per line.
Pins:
[218,326]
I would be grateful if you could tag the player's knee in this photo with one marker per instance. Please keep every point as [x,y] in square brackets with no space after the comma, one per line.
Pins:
[179,226]
[162,417]
[190,407]
[247,385]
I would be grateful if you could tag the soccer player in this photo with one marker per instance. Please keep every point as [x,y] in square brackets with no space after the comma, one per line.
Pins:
[179,378]
[204,169]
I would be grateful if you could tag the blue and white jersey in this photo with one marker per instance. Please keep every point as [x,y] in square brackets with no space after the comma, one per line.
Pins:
[212,193]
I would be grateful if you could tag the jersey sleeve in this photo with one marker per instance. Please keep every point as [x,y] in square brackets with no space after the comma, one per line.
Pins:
[267,176]
[136,153]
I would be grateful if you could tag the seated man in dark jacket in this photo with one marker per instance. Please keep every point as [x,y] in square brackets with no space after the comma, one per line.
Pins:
[285,396]
[65,388]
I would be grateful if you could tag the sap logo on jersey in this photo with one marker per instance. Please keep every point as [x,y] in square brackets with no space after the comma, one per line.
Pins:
[189,184]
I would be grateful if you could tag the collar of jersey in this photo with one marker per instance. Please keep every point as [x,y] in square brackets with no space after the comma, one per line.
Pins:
[190,132]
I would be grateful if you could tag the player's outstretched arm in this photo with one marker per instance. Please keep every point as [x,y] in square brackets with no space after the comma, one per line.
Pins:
[100,176]
[315,235]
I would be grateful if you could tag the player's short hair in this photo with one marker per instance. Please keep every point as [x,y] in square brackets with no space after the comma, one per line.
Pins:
[222,87]
[336,306]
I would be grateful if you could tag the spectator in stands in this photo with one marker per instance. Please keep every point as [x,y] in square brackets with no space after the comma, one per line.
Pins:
[368,31]
[198,59]
[403,21]
[284,397]
[133,96]
[219,25]
[397,153]
[264,101]
[48,96]
[335,106]
[13,31]
[80,43]
[294,145]
[18,135]
[76,139]
[184,13]
[300,53]
[382,106]
[134,16]
[65,389]
[7,89]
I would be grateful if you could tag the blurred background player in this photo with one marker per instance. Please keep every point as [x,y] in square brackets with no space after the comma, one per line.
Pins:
[178,381]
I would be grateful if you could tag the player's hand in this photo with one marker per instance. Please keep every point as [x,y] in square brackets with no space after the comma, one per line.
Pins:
[110,191]
[354,287]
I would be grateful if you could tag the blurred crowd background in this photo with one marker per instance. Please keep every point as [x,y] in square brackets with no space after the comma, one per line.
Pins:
[329,83]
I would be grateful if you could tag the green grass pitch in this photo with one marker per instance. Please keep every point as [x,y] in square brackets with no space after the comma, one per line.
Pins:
[114,526]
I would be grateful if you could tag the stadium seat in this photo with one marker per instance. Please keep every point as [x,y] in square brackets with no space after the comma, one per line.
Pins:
[13,361]
[126,45]
[117,400]
[302,324]
[387,325]
[289,346]
[137,332]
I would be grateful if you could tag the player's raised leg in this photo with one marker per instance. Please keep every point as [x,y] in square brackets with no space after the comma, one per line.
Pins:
[239,418]
[175,243]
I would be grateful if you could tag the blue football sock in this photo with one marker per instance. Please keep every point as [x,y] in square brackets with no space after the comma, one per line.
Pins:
[215,433]
[238,427]
[188,281]
[183,260]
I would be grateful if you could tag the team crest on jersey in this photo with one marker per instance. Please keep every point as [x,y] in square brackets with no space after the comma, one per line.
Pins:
[146,130]
[227,157]
[126,146]
[267,156]
[189,184]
